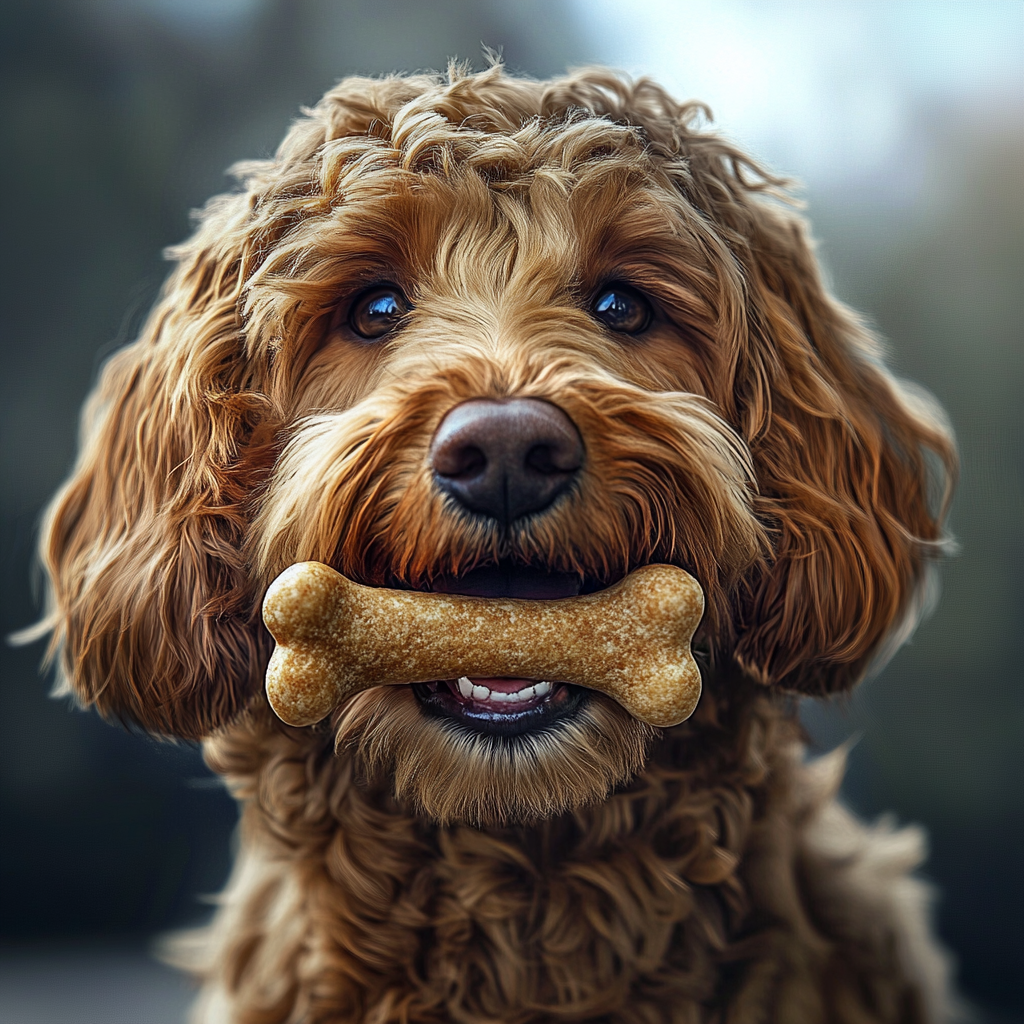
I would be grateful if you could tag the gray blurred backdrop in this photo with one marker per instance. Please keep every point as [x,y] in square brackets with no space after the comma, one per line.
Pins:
[905,121]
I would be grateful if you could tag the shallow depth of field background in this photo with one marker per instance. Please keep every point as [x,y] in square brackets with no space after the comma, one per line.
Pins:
[905,122]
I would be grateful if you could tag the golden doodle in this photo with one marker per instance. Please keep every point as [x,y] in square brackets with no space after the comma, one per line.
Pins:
[507,340]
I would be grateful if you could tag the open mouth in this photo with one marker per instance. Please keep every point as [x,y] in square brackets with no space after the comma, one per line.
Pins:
[503,707]
[506,706]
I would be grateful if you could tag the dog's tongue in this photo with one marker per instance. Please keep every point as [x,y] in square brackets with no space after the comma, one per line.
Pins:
[503,685]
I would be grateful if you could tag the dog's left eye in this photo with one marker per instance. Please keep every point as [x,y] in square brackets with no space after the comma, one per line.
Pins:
[622,308]
[378,311]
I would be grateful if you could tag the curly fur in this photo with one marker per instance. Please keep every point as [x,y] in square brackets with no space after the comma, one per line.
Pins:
[393,867]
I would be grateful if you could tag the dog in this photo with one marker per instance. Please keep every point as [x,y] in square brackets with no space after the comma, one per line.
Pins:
[480,334]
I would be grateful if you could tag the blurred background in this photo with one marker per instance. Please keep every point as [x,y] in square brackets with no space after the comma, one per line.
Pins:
[905,123]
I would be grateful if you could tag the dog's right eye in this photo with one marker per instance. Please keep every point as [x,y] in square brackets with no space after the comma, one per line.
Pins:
[378,311]
[622,308]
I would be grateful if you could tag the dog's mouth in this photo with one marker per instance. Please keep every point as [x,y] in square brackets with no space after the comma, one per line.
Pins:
[503,707]
[507,706]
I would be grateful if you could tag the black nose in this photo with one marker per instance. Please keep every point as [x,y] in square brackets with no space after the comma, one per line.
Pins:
[506,458]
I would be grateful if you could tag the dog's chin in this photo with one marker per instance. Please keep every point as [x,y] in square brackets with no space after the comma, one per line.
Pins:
[449,771]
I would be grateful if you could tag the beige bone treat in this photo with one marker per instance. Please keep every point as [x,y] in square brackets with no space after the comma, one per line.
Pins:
[336,638]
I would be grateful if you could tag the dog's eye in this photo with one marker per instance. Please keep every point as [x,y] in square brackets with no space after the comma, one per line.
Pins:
[622,308]
[378,311]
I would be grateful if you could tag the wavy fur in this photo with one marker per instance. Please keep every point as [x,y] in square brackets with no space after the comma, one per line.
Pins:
[396,868]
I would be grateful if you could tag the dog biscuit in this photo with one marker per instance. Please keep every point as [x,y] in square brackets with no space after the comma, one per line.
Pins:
[336,638]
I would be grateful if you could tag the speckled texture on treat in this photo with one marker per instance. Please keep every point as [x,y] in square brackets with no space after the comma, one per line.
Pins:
[335,638]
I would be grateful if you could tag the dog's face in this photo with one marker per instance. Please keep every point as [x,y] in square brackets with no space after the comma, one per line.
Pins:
[500,338]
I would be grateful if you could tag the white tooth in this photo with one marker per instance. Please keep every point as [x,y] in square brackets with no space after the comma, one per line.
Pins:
[527,693]
[541,689]
[480,692]
[516,695]
[465,687]
[500,696]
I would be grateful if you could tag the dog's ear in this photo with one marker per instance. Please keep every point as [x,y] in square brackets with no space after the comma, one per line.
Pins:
[150,606]
[854,471]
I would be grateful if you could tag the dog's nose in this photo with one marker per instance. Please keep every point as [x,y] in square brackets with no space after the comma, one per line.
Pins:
[506,458]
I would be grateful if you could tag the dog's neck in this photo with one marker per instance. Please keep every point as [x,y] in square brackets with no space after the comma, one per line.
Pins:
[721,880]
[375,889]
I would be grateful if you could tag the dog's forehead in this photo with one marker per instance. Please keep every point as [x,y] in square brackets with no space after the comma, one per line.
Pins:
[468,228]
[423,179]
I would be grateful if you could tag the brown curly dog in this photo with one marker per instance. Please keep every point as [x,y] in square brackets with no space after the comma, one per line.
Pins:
[630,325]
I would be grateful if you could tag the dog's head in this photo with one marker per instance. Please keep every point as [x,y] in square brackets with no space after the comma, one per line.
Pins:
[499,337]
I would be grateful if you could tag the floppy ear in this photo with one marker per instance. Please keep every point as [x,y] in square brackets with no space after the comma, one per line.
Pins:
[151,609]
[852,497]
[840,448]
[154,618]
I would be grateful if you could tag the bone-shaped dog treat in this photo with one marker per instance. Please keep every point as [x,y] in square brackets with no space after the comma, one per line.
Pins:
[336,638]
